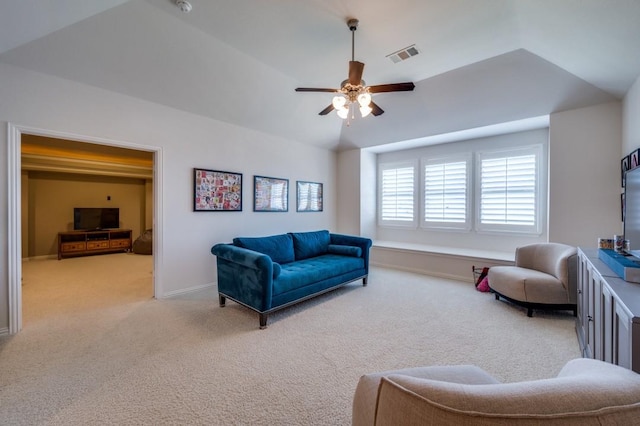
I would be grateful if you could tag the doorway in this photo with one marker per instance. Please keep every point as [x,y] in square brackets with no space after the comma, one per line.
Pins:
[19,135]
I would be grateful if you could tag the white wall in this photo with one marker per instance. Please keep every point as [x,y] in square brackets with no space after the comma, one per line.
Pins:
[187,141]
[356,193]
[631,119]
[585,182]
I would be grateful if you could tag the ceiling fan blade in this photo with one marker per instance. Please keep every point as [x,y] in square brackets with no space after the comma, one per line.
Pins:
[393,87]
[327,110]
[375,109]
[355,72]
[314,89]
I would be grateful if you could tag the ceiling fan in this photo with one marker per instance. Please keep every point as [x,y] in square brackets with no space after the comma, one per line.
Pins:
[354,90]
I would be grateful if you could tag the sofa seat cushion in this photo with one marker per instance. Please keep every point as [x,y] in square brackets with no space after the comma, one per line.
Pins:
[310,244]
[278,247]
[527,285]
[309,271]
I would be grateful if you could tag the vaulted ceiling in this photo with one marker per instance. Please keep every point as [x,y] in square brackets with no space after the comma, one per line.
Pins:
[480,62]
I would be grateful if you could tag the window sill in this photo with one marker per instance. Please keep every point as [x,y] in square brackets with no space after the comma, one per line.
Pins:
[447,251]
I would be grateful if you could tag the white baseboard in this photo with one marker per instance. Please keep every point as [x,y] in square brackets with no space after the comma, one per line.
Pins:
[456,265]
[188,290]
[43,257]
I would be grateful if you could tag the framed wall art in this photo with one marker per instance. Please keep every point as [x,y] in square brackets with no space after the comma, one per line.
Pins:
[270,194]
[624,166]
[308,196]
[217,191]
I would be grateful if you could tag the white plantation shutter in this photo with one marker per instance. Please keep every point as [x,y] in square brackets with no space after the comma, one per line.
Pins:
[397,194]
[446,194]
[509,192]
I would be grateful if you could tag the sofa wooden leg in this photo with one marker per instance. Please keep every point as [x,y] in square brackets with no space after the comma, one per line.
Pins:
[222,300]
[364,282]
[529,312]
[263,321]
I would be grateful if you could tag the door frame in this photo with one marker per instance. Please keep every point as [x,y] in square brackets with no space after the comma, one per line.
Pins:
[14,229]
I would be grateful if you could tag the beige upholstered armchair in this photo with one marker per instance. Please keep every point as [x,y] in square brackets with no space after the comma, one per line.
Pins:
[544,277]
[585,392]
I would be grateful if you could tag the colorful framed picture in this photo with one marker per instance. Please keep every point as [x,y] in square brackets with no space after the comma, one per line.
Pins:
[308,196]
[270,194]
[217,191]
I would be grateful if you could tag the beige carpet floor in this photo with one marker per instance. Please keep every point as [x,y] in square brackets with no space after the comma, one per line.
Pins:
[188,361]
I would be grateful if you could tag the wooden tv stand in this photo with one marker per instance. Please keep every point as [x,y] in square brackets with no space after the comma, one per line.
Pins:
[84,243]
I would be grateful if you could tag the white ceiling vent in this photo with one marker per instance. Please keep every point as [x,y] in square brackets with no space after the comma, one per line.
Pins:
[403,54]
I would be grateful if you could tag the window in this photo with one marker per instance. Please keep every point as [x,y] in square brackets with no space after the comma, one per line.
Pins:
[446,193]
[509,191]
[397,194]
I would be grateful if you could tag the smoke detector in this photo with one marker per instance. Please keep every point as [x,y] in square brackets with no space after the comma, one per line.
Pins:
[184,5]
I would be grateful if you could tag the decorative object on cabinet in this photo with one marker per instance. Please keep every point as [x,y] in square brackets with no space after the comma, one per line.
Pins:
[84,243]
[308,196]
[270,194]
[544,277]
[608,322]
[217,191]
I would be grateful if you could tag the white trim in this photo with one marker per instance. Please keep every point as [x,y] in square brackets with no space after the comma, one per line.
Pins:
[14,242]
[14,255]
[182,292]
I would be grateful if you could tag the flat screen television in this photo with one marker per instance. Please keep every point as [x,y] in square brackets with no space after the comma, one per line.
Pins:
[632,210]
[92,218]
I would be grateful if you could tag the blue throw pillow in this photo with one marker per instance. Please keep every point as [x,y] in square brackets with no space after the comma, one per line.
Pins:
[310,244]
[345,250]
[277,270]
[278,247]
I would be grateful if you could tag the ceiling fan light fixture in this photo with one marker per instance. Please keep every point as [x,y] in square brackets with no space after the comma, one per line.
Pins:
[364,99]
[338,102]
[354,89]
[365,110]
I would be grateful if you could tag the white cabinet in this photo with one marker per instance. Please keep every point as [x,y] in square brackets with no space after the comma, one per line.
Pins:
[608,317]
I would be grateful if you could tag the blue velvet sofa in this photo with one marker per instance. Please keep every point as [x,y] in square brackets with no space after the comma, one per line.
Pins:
[270,273]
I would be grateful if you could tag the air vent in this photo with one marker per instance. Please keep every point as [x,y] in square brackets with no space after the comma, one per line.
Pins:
[403,54]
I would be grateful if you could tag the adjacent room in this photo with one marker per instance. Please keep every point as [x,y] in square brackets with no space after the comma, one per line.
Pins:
[319,213]
[66,186]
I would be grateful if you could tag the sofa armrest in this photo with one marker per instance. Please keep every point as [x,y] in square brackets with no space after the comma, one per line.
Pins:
[245,257]
[244,275]
[352,240]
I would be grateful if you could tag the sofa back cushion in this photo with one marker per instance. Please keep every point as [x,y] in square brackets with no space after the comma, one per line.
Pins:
[310,244]
[584,393]
[278,247]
